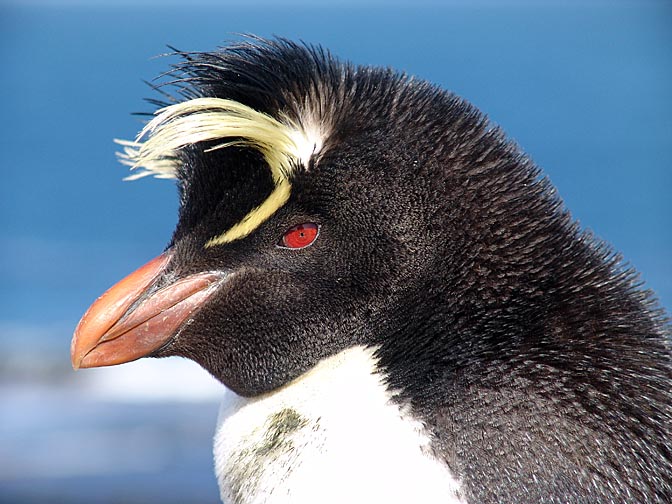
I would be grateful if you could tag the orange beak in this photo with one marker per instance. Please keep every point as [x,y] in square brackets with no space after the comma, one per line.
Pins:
[129,321]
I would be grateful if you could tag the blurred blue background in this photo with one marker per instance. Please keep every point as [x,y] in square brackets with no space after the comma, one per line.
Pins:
[585,87]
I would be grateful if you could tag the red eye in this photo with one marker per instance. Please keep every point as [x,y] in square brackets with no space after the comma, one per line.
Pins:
[300,236]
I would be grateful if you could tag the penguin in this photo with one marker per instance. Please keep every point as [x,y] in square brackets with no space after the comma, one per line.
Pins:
[399,301]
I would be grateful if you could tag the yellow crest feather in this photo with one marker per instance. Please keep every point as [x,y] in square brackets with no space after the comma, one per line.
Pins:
[282,143]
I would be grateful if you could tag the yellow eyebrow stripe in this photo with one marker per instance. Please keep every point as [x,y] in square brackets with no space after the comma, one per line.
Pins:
[284,145]
[256,217]
[205,119]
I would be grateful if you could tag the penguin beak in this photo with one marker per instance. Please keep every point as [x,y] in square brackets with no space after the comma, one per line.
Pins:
[133,319]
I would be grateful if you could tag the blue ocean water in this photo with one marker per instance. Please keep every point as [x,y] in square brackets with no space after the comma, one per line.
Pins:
[584,87]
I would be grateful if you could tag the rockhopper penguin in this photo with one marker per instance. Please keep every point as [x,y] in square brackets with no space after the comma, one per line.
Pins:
[402,305]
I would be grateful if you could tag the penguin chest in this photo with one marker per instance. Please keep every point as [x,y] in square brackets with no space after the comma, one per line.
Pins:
[333,435]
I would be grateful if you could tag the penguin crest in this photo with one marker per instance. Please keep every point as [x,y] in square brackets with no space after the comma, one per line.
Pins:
[285,146]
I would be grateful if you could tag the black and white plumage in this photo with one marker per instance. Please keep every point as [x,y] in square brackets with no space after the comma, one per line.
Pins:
[443,332]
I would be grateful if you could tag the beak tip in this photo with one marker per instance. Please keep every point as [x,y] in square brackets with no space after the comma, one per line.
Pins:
[106,311]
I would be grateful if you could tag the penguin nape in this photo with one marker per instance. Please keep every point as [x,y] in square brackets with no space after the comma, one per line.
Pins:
[402,305]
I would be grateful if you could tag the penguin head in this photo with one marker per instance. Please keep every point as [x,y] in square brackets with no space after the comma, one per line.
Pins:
[325,206]
[309,195]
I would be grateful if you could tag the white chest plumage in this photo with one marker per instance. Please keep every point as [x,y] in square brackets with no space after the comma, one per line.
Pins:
[333,435]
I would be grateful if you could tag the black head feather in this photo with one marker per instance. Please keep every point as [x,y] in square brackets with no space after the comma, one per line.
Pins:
[531,353]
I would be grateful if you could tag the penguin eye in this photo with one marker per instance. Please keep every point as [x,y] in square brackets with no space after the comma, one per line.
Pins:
[299,236]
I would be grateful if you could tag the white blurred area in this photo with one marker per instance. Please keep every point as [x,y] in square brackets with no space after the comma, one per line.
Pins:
[22,364]
[172,379]
[136,433]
